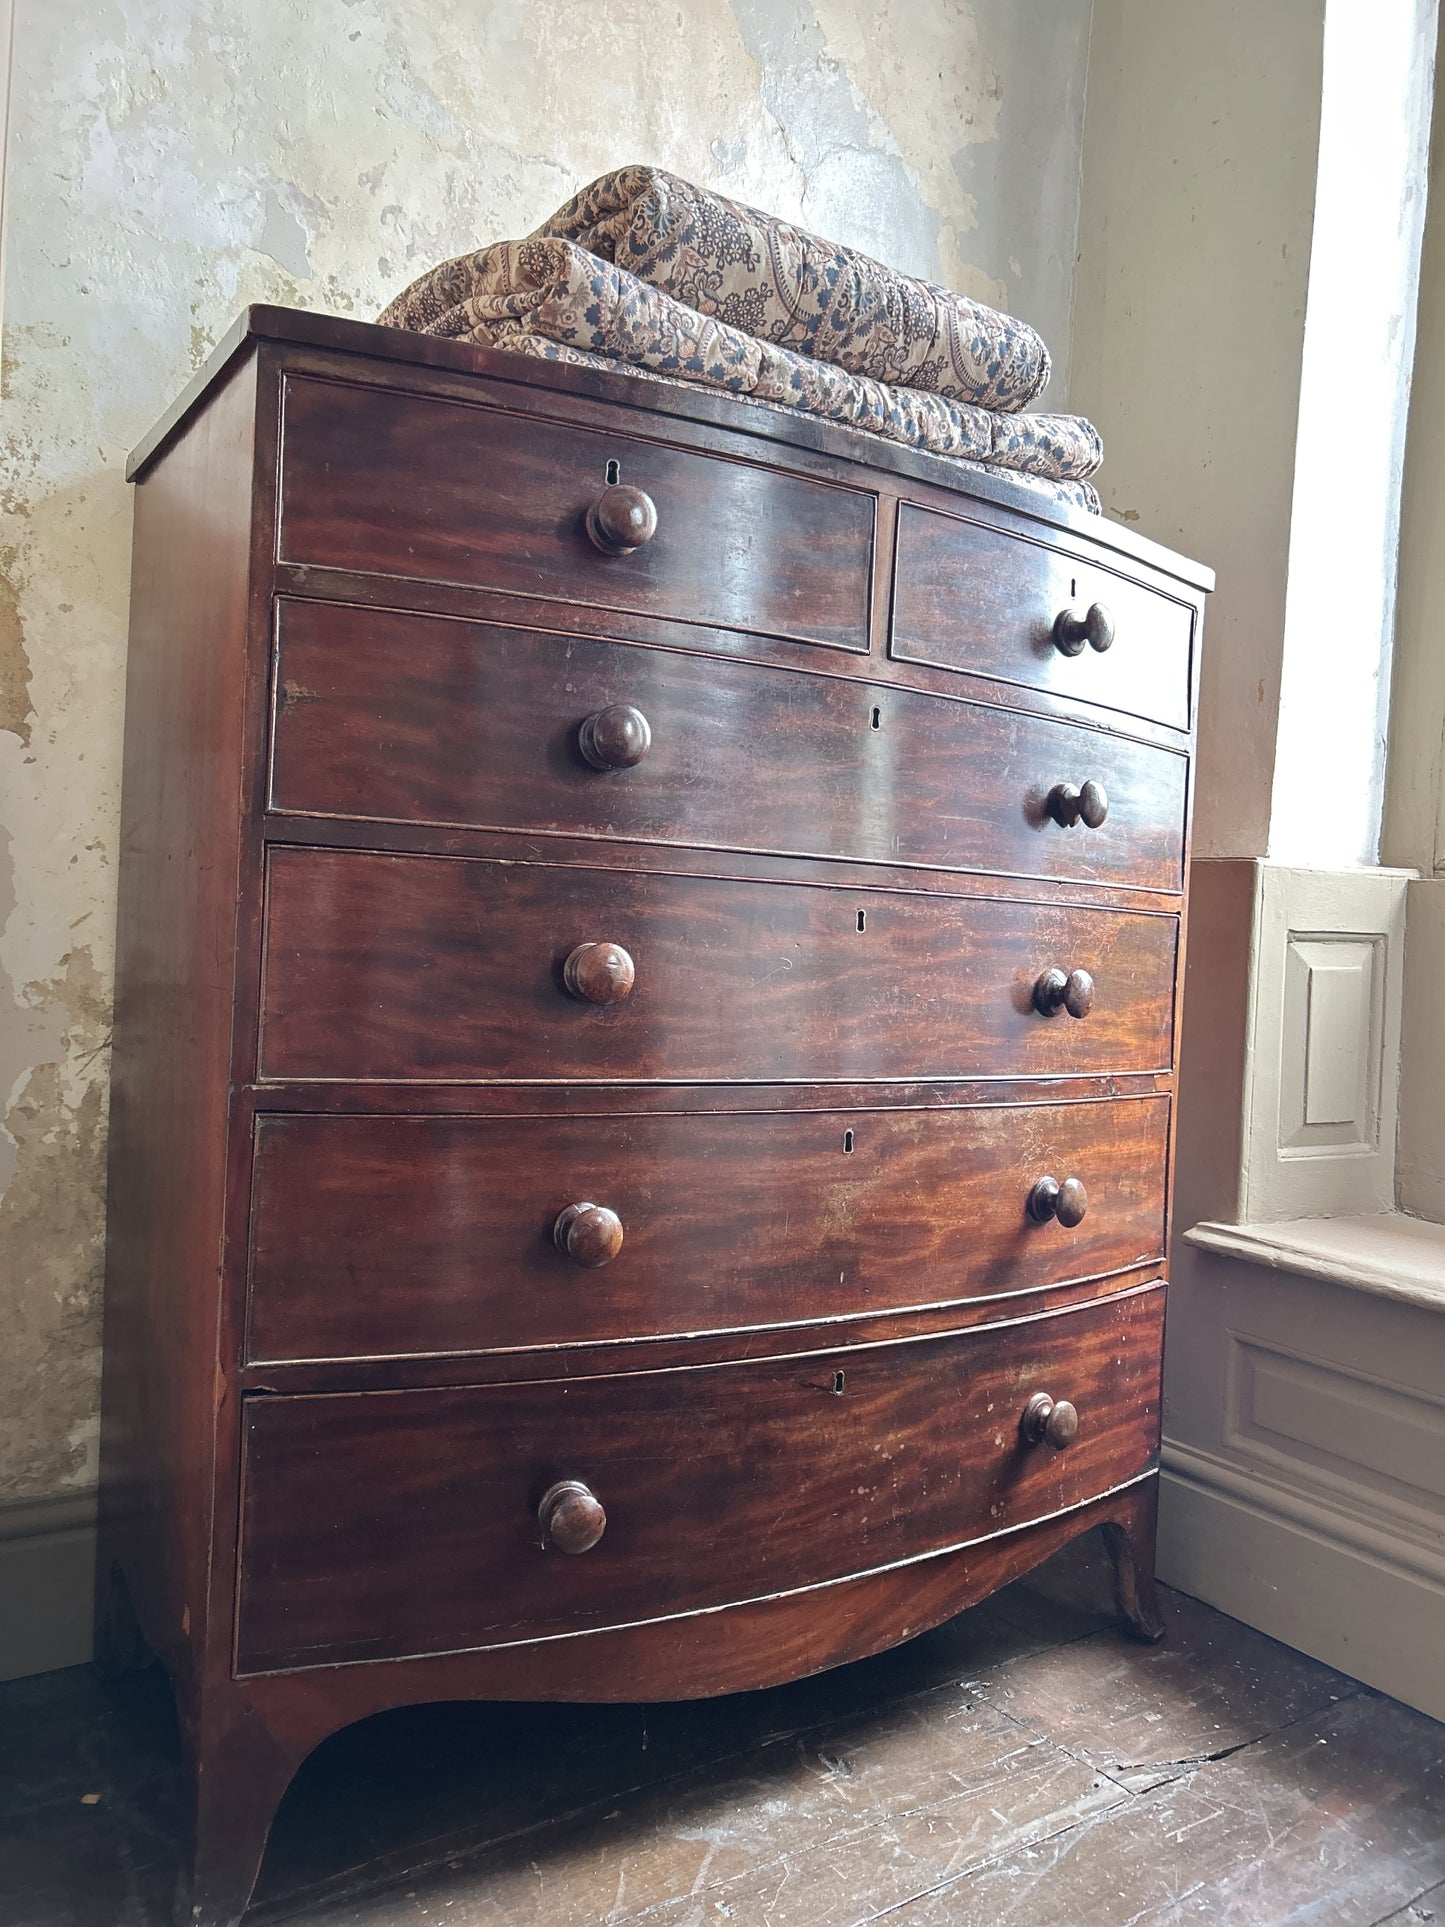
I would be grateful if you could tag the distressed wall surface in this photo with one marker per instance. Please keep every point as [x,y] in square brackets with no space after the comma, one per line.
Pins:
[174,159]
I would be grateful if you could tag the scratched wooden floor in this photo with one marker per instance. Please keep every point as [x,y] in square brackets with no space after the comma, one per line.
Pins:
[1023,1764]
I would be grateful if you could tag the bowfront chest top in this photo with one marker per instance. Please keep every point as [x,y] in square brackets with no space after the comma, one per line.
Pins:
[649,948]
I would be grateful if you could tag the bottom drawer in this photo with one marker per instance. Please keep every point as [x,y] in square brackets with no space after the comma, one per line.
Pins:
[383,1524]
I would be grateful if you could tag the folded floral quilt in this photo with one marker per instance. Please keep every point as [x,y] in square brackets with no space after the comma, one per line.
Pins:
[550,297]
[784,285]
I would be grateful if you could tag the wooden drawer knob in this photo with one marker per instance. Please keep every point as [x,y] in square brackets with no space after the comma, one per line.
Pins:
[1067,1201]
[621,519]
[599,973]
[1074,993]
[571,1516]
[616,737]
[590,1233]
[1048,1421]
[1073,627]
[1087,804]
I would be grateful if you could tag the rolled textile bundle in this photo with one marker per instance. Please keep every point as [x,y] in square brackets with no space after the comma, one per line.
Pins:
[1080,495]
[519,294]
[782,284]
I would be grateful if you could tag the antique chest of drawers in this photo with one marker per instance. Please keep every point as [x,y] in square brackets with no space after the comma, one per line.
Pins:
[650,939]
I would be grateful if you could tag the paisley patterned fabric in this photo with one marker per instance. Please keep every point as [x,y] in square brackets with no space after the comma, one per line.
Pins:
[529,296]
[1080,495]
[782,284]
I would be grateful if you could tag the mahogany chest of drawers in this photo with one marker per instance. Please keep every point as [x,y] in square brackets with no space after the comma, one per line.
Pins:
[650,939]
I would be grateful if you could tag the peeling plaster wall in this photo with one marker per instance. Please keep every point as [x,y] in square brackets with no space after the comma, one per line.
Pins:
[172,161]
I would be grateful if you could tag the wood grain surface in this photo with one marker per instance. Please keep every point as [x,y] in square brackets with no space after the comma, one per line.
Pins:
[434,968]
[822,834]
[185,743]
[424,720]
[393,1235]
[967,596]
[415,486]
[719,1484]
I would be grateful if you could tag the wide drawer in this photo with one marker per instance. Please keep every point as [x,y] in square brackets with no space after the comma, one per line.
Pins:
[386,1236]
[382,1524]
[428,720]
[443,968]
[970,597]
[448,492]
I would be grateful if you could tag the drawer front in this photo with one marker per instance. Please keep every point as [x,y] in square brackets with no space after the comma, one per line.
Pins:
[972,598]
[443,968]
[428,720]
[383,1236]
[447,492]
[382,1524]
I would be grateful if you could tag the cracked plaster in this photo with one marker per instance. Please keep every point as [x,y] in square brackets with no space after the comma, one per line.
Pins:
[172,160]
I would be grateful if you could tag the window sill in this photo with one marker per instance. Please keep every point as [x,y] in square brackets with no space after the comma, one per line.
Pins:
[1383,1252]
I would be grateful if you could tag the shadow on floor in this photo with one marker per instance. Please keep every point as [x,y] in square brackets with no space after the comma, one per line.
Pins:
[1024,1756]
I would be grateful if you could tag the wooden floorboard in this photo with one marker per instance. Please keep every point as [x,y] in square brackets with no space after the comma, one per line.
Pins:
[1334,1821]
[1024,1763]
[1423,1909]
[1211,1687]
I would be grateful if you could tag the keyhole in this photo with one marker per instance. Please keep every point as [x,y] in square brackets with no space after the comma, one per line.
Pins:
[862,919]
[877,719]
[848,1142]
[837,1382]
[1073,585]
[614,474]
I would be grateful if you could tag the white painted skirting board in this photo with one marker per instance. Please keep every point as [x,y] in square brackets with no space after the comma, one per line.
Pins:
[1270,1555]
[47,1566]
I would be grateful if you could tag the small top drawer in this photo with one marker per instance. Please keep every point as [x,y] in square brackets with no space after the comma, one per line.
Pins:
[440,491]
[973,598]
